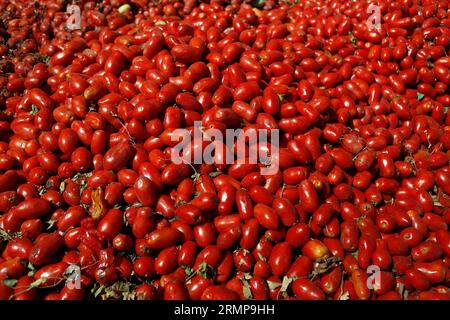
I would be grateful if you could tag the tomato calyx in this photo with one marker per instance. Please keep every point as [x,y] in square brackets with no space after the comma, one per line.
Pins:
[51,223]
[204,270]
[32,269]
[286,283]
[190,273]
[353,39]
[281,96]
[11,283]
[81,178]
[120,290]
[215,174]
[436,201]
[34,110]
[284,286]
[5,236]
[261,257]
[404,293]
[344,296]
[246,290]
[323,265]
[273,285]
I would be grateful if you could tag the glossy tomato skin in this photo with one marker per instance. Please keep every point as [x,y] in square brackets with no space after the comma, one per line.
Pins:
[323,214]
[286,211]
[417,280]
[21,293]
[443,239]
[314,249]
[330,282]
[219,293]
[266,216]
[123,242]
[144,189]
[206,201]
[366,247]
[163,238]
[349,235]
[143,222]
[111,224]
[12,268]
[305,289]
[225,268]
[227,196]
[189,214]
[145,292]
[259,288]
[173,174]
[68,293]
[51,273]
[117,156]
[32,208]
[426,251]
[197,285]
[71,218]
[205,234]
[175,290]
[280,258]
[308,196]
[228,239]
[210,255]
[298,235]
[359,279]
[32,228]
[144,266]
[433,271]
[45,246]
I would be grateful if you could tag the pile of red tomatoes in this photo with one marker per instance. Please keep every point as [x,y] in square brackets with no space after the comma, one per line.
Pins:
[92,207]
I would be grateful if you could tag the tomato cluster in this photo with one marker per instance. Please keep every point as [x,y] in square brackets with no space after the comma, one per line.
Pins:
[92,207]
